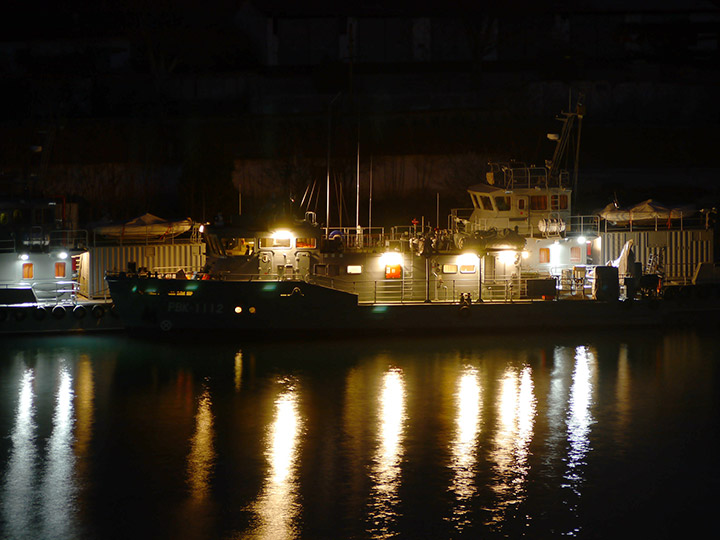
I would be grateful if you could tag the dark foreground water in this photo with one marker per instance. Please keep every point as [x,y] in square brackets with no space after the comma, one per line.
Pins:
[581,435]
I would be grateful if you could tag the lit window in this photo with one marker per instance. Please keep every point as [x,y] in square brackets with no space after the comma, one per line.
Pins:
[450,268]
[559,202]
[467,268]
[306,243]
[538,202]
[393,271]
[60,270]
[354,269]
[28,271]
[544,255]
[575,254]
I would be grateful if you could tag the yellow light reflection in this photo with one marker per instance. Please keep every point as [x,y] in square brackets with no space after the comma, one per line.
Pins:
[277,508]
[238,370]
[464,445]
[386,469]
[201,459]
[58,489]
[623,390]
[516,419]
[85,394]
[19,486]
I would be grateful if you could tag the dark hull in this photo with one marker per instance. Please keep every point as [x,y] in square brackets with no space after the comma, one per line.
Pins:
[284,308]
[85,317]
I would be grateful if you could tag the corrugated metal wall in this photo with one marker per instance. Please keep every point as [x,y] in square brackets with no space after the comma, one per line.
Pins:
[679,251]
[165,257]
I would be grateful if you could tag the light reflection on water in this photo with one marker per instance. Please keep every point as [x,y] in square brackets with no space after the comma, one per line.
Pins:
[386,469]
[507,441]
[202,453]
[277,508]
[20,476]
[516,416]
[464,445]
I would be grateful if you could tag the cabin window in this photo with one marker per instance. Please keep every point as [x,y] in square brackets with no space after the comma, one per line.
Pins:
[238,246]
[450,268]
[393,271]
[538,202]
[475,200]
[306,243]
[269,242]
[467,268]
[28,271]
[575,254]
[486,203]
[521,204]
[559,202]
[354,269]
[503,203]
[60,270]
[544,255]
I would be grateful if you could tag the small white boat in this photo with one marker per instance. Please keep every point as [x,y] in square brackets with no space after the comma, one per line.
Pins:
[144,227]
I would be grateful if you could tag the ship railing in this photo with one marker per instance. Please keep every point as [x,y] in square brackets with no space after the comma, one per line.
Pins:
[49,291]
[77,239]
[692,222]
[502,289]
[359,237]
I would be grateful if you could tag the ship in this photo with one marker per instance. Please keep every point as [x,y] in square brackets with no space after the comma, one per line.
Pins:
[41,256]
[518,259]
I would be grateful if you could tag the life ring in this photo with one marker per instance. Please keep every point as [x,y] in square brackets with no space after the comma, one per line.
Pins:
[98,311]
[19,313]
[464,311]
[58,312]
[79,312]
[39,313]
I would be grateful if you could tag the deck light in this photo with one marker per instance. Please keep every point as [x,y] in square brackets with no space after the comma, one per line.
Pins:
[62,255]
[23,256]
[581,239]
[282,235]
[238,309]
[391,258]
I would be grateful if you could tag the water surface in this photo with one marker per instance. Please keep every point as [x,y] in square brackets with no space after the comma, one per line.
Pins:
[588,435]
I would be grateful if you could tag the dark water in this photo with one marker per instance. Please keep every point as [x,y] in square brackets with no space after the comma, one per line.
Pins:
[581,435]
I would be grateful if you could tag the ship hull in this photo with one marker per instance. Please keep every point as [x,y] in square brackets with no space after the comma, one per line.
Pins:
[296,308]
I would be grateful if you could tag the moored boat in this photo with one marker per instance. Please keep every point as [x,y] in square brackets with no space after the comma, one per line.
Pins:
[520,259]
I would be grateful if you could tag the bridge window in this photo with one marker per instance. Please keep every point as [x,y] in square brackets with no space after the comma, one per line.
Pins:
[269,242]
[503,203]
[354,269]
[450,268]
[486,202]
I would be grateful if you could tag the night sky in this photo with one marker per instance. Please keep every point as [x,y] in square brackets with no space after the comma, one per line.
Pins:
[186,90]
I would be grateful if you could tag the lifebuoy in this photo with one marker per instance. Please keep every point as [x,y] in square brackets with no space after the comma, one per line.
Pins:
[79,312]
[58,312]
[19,313]
[98,311]
[464,311]
[39,313]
